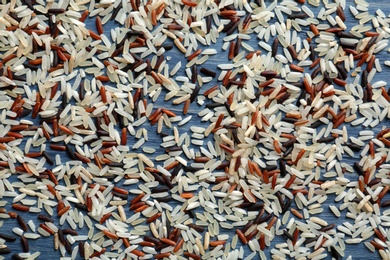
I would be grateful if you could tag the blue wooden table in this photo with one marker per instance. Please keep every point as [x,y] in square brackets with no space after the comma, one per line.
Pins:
[45,244]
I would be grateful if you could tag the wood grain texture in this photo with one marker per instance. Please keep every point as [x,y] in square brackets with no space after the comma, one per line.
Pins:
[45,244]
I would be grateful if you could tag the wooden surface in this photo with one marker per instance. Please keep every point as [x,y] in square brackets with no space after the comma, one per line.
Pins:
[45,244]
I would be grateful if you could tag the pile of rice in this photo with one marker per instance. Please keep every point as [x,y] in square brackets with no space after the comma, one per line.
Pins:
[194,129]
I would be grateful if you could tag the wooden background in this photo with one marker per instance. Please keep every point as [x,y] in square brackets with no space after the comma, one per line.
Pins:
[45,244]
